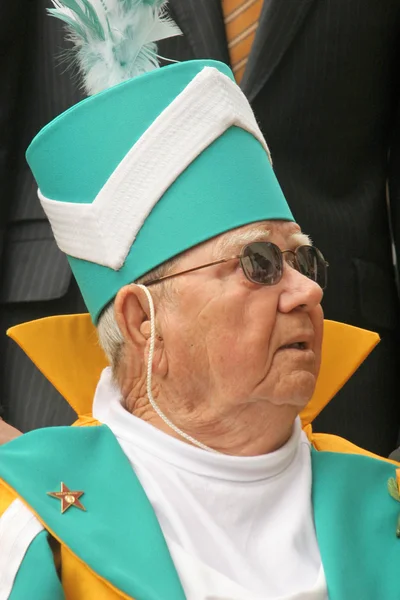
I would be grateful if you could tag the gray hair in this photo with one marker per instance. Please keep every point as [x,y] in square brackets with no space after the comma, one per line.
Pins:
[110,337]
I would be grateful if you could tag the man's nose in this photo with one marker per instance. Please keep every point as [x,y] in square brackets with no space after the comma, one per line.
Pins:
[298,291]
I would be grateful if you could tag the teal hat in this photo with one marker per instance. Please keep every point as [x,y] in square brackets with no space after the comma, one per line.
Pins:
[134,175]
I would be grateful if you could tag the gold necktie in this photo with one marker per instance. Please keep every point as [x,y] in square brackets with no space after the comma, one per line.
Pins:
[241,22]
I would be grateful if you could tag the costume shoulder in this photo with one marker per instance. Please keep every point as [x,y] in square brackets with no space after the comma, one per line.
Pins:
[356,518]
[28,554]
[37,461]
[114,527]
[327,442]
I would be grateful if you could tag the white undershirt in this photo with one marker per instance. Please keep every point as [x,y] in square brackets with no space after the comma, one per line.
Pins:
[237,528]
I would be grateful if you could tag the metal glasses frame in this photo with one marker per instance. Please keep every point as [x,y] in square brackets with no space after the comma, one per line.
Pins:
[240,257]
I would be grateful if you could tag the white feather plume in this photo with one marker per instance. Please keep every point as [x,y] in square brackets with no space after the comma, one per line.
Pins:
[114,40]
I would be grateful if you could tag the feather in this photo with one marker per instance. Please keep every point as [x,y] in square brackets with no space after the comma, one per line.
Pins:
[114,40]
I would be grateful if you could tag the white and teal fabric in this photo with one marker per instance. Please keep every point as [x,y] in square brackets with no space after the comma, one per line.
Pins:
[228,520]
[138,173]
[119,536]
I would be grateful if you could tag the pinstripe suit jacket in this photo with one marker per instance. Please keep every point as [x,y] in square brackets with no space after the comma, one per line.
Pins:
[35,279]
[323,79]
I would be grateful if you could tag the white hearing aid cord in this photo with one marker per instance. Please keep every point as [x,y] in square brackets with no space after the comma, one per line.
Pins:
[150,374]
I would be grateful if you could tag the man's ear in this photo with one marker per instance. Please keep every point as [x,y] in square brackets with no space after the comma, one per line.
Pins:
[131,311]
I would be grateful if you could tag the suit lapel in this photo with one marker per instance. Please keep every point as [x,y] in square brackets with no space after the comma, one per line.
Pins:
[279,22]
[355,520]
[202,24]
[118,536]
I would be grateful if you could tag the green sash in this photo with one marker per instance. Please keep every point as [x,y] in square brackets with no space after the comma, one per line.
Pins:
[118,535]
[355,519]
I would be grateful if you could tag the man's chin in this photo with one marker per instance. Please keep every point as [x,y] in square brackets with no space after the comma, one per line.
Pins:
[296,389]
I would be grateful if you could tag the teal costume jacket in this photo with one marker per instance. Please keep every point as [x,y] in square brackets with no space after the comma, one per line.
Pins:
[119,538]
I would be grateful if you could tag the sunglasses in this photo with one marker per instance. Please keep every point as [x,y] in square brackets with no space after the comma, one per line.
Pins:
[262,263]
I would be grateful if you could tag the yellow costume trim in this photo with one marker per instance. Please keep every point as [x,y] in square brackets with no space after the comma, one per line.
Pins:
[66,350]
[344,349]
[327,442]
[79,581]
[7,497]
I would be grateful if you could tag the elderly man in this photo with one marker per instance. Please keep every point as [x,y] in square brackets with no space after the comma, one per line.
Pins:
[189,474]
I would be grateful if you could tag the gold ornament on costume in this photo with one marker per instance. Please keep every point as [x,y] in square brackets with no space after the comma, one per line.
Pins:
[68,498]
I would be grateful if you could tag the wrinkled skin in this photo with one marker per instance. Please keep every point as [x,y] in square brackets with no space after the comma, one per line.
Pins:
[219,370]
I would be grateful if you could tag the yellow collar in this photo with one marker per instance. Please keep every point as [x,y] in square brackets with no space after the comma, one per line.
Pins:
[66,350]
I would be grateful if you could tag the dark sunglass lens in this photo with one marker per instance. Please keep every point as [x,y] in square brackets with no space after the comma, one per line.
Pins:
[262,263]
[312,264]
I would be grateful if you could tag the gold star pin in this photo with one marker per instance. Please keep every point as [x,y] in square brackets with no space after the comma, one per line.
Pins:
[394,491]
[68,498]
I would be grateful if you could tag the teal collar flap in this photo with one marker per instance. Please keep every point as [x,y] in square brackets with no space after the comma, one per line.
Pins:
[118,535]
[355,519]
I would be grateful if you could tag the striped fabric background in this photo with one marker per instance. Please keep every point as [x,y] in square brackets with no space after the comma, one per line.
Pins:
[35,278]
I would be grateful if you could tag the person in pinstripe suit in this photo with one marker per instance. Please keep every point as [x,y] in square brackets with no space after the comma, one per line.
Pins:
[35,279]
[323,80]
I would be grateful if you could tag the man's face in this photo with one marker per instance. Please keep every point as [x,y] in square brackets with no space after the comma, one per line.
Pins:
[226,339]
